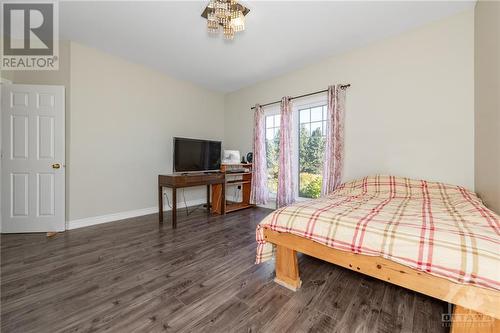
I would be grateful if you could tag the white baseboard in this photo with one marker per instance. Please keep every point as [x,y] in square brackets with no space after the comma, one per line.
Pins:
[89,221]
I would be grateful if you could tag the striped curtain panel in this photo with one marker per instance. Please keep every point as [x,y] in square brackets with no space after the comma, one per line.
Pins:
[334,147]
[259,193]
[286,186]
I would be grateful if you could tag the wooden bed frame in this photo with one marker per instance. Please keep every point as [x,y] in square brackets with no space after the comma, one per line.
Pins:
[476,309]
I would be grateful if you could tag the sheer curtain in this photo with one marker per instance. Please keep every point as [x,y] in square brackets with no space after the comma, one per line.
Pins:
[286,186]
[259,193]
[334,146]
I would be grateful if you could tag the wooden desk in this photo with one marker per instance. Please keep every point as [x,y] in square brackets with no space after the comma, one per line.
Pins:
[175,181]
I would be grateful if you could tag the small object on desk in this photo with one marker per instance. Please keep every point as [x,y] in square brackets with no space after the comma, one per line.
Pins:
[243,160]
[231,157]
[250,157]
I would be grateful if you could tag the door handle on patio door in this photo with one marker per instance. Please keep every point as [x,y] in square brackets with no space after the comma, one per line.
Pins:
[56,166]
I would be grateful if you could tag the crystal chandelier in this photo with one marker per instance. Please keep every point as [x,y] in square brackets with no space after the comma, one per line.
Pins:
[225,15]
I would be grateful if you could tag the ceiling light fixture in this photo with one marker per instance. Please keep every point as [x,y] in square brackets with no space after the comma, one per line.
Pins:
[225,15]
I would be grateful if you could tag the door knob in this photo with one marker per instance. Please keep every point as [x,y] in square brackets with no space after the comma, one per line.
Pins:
[56,166]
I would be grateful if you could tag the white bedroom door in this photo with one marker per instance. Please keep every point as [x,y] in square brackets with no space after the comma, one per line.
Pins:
[33,158]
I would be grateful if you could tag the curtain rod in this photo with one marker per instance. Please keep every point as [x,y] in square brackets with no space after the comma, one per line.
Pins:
[300,96]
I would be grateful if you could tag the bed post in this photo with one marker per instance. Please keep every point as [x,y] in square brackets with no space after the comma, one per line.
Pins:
[287,268]
[469,321]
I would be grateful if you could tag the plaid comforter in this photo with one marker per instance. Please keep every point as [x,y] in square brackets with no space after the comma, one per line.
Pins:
[437,228]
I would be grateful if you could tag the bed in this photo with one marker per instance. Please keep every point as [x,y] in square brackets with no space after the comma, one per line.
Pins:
[430,237]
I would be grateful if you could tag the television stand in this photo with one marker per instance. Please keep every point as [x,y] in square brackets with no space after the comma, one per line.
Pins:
[175,181]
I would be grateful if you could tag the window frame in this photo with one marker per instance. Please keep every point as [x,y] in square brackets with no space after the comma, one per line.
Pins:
[268,112]
[300,104]
[306,103]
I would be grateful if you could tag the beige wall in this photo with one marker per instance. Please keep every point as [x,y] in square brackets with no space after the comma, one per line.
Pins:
[123,119]
[120,127]
[410,110]
[487,100]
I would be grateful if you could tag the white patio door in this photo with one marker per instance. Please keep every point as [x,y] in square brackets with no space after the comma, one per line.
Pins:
[32,158]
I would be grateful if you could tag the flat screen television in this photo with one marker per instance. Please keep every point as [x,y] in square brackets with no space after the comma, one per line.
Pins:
[194,155]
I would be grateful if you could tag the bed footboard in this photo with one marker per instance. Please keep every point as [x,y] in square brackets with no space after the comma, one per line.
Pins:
[476,309]
[482,300]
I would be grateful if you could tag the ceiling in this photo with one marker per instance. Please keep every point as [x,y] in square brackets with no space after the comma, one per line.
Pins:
[280,36]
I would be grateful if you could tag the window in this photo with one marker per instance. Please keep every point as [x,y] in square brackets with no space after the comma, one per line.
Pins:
[312,131]
[272,151]
[309,146]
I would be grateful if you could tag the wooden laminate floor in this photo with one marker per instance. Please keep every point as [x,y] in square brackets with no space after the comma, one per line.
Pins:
[136,276]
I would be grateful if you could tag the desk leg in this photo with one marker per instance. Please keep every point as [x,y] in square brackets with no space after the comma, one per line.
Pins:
[223,200]
[160,204]
[174,208]
[208,198]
